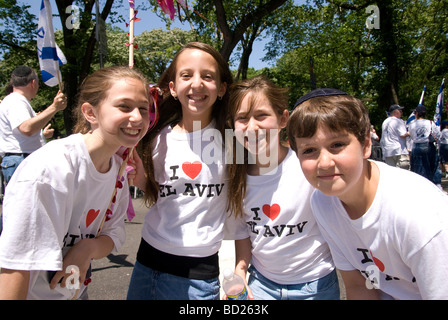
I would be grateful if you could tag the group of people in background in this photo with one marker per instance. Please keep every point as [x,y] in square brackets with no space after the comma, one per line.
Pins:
[297,192]
[419,145]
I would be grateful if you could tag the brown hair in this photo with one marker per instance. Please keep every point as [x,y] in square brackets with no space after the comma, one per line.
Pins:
[236,172]
[94,89]
[337,113]
[171,112]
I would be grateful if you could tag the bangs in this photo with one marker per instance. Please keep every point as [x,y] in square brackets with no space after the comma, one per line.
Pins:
[336,113]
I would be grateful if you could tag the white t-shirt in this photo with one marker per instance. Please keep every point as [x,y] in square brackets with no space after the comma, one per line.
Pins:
[55,198]
[189,215]
[444,136]
[401,241]
[391,141]
[287,246]
[15,109]
[421,129]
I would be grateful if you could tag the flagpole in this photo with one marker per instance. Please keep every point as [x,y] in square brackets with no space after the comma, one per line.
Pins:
[58,74]
[97,32]
[422,96]
[131,36]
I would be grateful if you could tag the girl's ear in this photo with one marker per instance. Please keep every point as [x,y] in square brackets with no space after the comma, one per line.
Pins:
[284,118]
[222,89]
[172,89]
[89,113]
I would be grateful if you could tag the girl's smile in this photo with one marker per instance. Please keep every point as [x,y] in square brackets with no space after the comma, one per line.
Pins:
[197,85]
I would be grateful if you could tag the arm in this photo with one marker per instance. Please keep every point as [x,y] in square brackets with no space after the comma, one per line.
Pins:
[435,130]
[33,125]
[403,132]
[14,284]
[355,286]
[81,255]
[243,254]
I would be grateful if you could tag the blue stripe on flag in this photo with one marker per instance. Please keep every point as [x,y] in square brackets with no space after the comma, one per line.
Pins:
[439,106]
[46,75]
[49,53]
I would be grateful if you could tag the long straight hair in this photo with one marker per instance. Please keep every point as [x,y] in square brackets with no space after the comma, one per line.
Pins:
[171,113]
[236,172]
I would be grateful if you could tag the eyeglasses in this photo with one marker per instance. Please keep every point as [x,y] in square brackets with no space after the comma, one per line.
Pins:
[156,95]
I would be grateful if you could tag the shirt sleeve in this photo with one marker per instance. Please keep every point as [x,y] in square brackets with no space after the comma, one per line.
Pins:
[430,267]
[20,113]
[337,254]
[401,127]
[30,238]
[235,228]
[339,259]
[435,130]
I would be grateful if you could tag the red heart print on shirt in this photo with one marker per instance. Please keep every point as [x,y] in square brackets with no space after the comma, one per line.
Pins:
[378,262]
[192,169]
[271,212]
[91,216]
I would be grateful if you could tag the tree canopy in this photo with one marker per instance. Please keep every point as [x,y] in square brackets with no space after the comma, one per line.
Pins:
[382,52]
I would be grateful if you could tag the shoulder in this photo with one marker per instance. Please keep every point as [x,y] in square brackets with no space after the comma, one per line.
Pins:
[57,156]
[409,193]
[398,122]
[161,139]
[14,101]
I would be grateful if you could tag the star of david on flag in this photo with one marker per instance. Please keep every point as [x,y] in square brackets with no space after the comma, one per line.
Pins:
[50,56]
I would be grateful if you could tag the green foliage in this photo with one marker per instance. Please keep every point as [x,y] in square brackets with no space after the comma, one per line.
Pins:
[380,66]
[155,49]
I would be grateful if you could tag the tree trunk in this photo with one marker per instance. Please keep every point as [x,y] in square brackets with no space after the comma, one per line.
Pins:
[232,37]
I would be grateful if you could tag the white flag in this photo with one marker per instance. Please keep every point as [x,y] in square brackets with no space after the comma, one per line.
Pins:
[439,106]
[50,56]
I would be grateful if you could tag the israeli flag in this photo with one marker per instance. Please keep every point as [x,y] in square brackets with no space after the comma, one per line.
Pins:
[412,116]
[50,56]
[439,106]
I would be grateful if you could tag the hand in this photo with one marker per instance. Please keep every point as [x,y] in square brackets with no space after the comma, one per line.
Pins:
[60,101]
[242,274]
[80,256]
[48,132]
[137,175]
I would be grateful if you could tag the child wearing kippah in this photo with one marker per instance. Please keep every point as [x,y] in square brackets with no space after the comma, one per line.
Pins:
[385,242]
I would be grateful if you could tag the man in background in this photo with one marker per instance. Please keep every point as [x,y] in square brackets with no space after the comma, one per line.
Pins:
[22,131]
[393,139]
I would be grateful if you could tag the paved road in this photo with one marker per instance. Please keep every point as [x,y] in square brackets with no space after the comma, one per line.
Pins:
[111,275]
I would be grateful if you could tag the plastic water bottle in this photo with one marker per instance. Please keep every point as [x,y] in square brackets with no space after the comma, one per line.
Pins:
[233,286]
